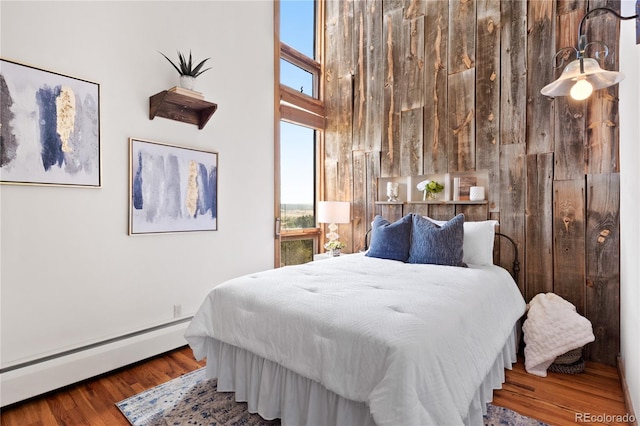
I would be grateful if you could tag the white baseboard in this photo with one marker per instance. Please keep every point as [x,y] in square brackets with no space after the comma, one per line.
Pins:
[625,392]
[35,379]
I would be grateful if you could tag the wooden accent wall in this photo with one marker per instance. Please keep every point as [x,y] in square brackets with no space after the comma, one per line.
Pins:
[416,87]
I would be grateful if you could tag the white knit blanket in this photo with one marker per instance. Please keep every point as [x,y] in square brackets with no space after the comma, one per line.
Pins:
[552,328]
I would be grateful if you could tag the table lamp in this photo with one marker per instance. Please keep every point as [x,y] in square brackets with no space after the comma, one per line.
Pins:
[333,212]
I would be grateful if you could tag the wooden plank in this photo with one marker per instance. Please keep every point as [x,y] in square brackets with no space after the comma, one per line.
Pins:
[392,35]
[569,14]
[299,116]
[513,95]
[473,212]
[414,9]
[412,85]
[540,52]
[330,179]
[435,85]
[421,209]
[569,114]
[461,137]
[338,87]
[368,98]
[391,212]
[338,84]
[360,78]
[569,139]
[603,265]
[411,142]
[539,225]
[568,241]
[488,97]
[512,205]
[373,173]
[359,224]
[389,5]
[441,211]
[374,69]
[306,102]
[567,6]
[602,132]
[462,35]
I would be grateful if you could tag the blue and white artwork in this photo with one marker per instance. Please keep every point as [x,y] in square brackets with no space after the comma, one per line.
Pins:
[173,189]
[49,128]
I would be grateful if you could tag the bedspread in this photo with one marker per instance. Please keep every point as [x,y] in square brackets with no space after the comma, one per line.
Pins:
[413,342]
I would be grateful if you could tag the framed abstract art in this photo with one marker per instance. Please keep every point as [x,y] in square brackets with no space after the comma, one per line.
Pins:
[49,128]
[171,188]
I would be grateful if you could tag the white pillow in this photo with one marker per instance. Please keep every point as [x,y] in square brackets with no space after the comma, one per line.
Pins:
[478,241]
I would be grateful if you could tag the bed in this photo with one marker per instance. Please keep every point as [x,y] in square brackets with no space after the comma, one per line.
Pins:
[366,340]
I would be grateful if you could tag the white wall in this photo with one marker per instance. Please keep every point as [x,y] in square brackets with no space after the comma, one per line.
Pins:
[70,274]
[630,203]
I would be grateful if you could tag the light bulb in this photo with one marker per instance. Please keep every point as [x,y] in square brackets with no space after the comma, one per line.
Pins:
[581,90]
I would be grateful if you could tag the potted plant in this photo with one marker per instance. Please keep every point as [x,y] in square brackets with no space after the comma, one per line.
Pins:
[334,247]
[187,71]
[430,188]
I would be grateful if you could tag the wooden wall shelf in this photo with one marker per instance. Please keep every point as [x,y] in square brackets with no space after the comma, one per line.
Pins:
[176,106]
[431,202]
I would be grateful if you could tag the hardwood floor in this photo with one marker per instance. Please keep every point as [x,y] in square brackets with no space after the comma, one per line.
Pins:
[594,397]
[555,399]
[92,403]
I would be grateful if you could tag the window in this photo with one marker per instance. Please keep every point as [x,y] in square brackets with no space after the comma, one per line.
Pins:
[297,25]
[297,176]
[300,126]
[296,78]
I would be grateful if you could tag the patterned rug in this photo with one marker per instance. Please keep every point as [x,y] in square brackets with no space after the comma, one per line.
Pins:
[191,399]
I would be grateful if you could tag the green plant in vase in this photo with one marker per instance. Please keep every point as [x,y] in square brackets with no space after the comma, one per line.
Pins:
[429,189]
[334,247]
[187,70]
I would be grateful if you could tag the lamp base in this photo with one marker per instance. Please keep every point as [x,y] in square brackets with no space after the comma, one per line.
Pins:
[332,235]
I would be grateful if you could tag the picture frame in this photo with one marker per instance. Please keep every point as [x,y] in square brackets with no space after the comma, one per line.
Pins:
[50,128]
[171,188]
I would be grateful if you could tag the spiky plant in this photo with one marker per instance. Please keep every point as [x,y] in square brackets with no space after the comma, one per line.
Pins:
[186,67]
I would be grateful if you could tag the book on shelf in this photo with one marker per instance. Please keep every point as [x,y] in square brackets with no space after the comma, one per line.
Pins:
[187,92]
[466,182]
[456,189]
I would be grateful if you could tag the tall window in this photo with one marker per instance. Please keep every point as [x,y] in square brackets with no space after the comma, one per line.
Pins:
[300,127]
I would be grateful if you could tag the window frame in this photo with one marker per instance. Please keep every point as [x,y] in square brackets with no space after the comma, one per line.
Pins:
[300,109]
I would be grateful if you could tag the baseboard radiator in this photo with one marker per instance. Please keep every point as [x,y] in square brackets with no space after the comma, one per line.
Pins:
[33,378]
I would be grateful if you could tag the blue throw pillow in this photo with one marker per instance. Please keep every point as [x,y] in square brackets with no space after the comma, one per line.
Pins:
[390,240]
[434,244]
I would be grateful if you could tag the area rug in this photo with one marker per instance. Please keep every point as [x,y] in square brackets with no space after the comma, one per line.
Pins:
[191,399]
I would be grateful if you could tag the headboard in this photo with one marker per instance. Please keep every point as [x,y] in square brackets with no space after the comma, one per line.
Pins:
[515,268]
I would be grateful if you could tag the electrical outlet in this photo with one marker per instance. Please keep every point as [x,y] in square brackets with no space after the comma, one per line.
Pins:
[177,311]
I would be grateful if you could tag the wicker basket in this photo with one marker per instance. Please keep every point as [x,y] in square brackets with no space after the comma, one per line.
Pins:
[569,363]
[569,357]
[574,368]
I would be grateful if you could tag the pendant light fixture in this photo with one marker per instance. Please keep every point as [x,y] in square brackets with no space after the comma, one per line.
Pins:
[583,75]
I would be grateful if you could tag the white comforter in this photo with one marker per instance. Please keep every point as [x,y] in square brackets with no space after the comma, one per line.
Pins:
[412,341]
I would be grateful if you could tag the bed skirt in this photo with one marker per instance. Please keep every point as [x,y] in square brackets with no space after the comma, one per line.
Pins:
[276,392]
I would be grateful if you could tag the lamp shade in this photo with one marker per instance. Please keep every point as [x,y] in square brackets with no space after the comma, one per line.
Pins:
[334,212]
[593,74]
